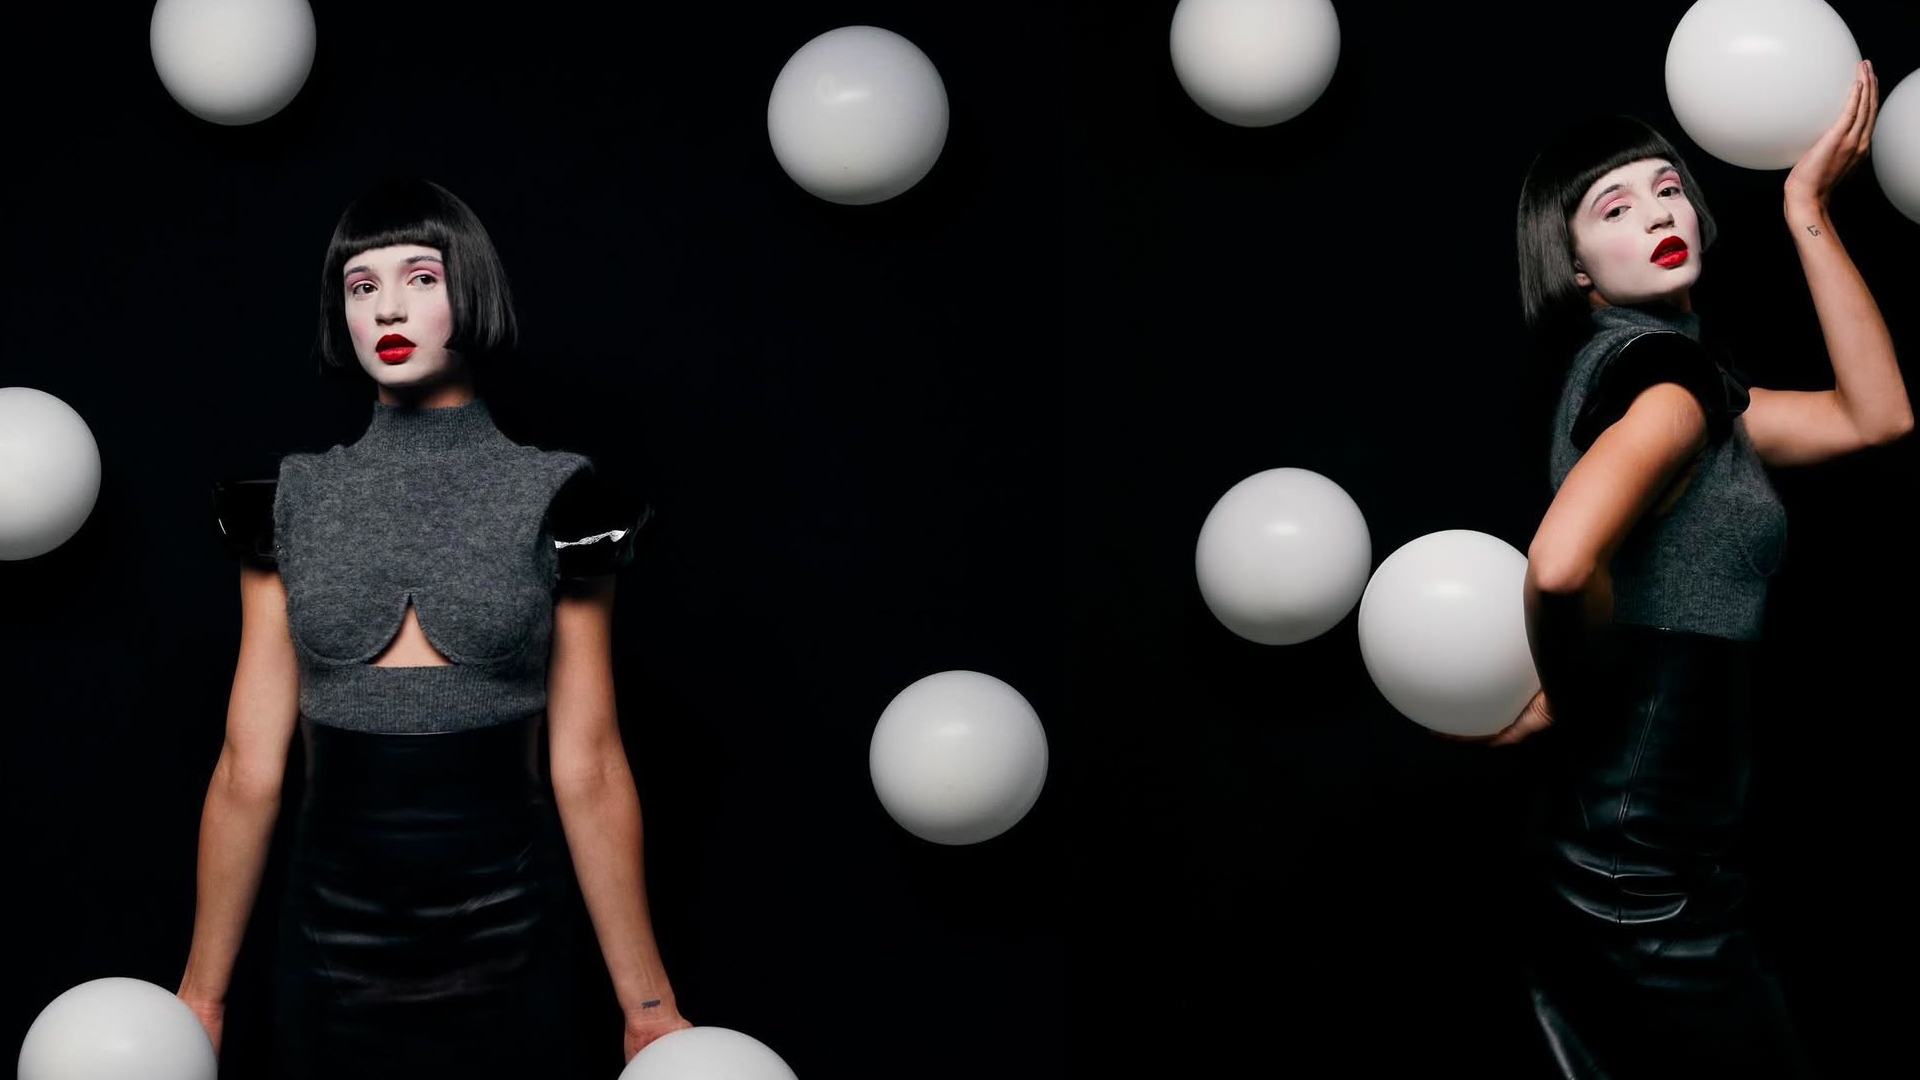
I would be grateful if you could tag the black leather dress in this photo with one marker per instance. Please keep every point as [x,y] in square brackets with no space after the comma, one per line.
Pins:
[1641,966]
[426,923]
[428,928]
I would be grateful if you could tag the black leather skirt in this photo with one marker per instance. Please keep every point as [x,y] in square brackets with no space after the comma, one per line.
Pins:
[427,927]
[1640,965]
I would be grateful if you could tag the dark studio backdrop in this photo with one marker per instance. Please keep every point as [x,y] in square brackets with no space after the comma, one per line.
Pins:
[978,426]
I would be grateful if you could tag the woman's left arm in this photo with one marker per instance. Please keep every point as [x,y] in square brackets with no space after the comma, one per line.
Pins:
[600,808]
[1868,405]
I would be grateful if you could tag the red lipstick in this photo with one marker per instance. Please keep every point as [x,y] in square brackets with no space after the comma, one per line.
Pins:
[393,348]
[1670,253]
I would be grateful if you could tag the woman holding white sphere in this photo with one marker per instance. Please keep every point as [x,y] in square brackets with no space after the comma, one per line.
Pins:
[1646,583]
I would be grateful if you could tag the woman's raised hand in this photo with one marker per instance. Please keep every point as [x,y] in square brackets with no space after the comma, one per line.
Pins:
[1840,148]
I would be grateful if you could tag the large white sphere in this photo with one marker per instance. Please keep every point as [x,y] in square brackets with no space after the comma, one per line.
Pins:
[1756,82]
[706,1053]
[1443,632]
[1283,556]
[958,757]
[115,1029]
[857,115]
[1896,146]
[232,61]
[1255,62]
[49,472]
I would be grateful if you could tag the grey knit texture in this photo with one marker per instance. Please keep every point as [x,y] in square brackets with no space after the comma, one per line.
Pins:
[437,508]
[1703,564]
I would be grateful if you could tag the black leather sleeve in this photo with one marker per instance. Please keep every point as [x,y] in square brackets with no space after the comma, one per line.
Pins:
[596,525]
[243,519]
[1658,357]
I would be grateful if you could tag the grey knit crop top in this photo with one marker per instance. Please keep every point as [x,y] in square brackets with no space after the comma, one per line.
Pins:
[436,508]
[1701,565]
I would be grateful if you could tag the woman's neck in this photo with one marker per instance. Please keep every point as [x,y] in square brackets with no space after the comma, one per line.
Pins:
[439,395]
[1681,301]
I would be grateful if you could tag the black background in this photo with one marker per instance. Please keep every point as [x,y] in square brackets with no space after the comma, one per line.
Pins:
[977,426]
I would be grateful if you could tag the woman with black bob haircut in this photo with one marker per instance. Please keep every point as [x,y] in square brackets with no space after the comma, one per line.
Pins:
[1645,589]
[429,610]
[1552,300]
[424,213]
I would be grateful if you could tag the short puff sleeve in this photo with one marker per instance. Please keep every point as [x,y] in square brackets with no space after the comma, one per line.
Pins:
[595,524]
[243,519]
[1657,357]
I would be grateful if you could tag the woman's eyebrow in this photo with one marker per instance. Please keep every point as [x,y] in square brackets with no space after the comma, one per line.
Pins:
[1664,167]
[364,269]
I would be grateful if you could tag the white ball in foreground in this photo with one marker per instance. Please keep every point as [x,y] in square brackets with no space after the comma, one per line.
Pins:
[1283,556]
[706,1053]
[1254,63]
[958,757]
[1756,82]
[1443,632]
[232,61]
[117,1029]
[49,472]
[1896,147]
[858,115]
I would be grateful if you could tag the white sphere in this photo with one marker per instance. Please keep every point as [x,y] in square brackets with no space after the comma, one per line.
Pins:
[113,1029]
[1756,82]
[49,472]
[1896,147]
[1283,556]
[232,61]
[1443,632]
[857,115]
[1255,62]
[706,1053]
[958,757]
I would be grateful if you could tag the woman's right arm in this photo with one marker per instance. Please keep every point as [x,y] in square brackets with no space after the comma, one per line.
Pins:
[1630,466]
[243,798]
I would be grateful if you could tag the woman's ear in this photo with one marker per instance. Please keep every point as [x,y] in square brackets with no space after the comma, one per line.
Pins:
[1580,276]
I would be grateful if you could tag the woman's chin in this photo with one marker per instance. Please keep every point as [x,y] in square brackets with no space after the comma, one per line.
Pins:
[408,373]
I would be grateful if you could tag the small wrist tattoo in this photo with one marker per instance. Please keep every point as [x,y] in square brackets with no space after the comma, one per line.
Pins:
[1814,229]
[650,1004]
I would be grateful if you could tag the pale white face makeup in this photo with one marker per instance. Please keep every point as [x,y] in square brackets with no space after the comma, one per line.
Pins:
[399,316]
[1636,237]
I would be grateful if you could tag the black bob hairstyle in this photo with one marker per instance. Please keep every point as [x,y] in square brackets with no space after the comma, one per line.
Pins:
[1554,305]
[420,212]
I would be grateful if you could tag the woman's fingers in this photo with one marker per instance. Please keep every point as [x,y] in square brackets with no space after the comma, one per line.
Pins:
[1873,108]
[1515,733]
[1850,111]
[1530,721]
[1862,106]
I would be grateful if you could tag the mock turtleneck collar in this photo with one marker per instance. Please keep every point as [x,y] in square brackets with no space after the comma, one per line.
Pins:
[1652,316]
[411,429]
